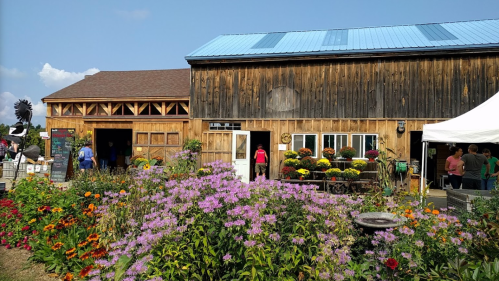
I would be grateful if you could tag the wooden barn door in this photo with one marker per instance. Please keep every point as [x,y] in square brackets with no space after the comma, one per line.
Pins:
[241,154]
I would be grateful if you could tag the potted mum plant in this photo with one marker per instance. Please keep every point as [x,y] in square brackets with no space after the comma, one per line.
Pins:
[304,152]
[291,162]
[303,173]
[308,163]
[323,164]
[291,154]
[348,152]
[329,153]
[288,172]
[371,154]
[359,165]
[351,174]
[333,173]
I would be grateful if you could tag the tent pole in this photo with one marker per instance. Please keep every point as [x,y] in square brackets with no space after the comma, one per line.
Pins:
[423,169]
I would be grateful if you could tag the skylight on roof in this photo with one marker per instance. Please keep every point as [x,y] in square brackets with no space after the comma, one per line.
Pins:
[269,41]
[336,38]
[435,32]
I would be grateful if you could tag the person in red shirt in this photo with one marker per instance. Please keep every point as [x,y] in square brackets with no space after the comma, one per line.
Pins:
[261,161]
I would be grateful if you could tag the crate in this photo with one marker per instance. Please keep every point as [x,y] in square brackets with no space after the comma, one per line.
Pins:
[9,170]
[462,199]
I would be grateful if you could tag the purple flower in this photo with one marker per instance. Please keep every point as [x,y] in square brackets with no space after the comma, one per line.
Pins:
[463,250]
[249,243]
[466,235]
[227,257]
[419,243]
[407,255]
[349,272]
[455,240]
[430,234]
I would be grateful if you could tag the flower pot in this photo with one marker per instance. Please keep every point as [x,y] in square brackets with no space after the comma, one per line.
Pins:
[288,178]
[301,178]
[371,159]
[387,191]
[349,159]
[333,178]
[324,169]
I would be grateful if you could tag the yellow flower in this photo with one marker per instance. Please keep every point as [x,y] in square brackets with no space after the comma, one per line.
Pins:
[48,227]
[32,221]
[147,167]
[56,210]
[57,246]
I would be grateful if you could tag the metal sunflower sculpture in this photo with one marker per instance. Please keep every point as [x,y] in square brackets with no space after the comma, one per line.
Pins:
[23,110]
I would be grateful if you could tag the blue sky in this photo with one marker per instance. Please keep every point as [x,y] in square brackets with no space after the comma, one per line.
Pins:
[48,45]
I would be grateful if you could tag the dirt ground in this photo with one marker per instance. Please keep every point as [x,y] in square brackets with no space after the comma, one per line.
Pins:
[14,266]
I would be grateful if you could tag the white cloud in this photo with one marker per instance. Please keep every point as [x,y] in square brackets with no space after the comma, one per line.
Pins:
[11,73]
[134,15]
[59,78]
[7,100]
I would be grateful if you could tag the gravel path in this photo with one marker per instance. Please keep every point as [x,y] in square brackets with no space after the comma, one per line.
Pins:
[14,266]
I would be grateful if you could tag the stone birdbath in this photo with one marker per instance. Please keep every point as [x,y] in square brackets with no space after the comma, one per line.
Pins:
[380,220]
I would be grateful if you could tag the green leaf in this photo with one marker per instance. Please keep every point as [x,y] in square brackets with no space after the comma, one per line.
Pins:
[253,272]
[121,266]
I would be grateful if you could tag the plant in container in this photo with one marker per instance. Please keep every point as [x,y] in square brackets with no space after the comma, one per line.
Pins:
[351,174]
[290,154]
[303,173]
[348,152]
[359,165]
[304,152]
[333,173]
[308,163]
[295,163]
[329,153]
[371,154]
[204,171]
[323,164]
[288,172]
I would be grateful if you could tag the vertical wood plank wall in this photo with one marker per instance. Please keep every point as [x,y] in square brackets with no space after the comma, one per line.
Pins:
[217,144]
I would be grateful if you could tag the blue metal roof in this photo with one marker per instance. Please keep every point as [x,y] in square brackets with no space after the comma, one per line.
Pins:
[404,38]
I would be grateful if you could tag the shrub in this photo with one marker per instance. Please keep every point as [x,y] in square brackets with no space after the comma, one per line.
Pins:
[304,152]
[371,154]
[359,164]
[289,172]
[193,145]
[308,163]
[328,153]
[290,154]
[323,164]
[303,173]
[292,163]
[334,172]
[347,152]
[351,174]
[204,172]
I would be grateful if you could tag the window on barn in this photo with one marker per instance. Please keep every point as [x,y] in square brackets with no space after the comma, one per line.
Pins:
[225,126]
[305,140]
[363,143]
[335,141]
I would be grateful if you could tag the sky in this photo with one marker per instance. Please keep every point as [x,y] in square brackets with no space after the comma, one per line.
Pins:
[48,45]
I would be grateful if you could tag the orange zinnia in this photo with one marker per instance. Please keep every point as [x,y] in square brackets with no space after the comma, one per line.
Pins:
[88,193]
[71,256]
[84,272]
[92,207]
[407,211]
[48,227]
[82,244]
[41,209]
[93,237]
[97,196]
[85,256]
[70,251]
[68,277]
[435,212]
[122,191]
[427,210]
[99,253]
[57,246]
[122,181]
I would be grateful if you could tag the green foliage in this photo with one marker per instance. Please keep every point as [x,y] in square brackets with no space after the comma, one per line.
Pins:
[292,162]
[308,163]
[359,165]
[290,154]
[33,137]
[193,145]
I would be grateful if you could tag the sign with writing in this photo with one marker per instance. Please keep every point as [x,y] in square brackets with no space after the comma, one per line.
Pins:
[60,149]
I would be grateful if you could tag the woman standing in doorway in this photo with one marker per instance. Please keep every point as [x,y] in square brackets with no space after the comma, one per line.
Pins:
[261,161]
[455,177]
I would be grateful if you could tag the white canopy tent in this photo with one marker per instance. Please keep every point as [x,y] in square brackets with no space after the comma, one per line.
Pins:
[478,125]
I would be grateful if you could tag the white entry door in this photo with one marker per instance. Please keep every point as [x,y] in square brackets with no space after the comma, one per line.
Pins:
[241,154]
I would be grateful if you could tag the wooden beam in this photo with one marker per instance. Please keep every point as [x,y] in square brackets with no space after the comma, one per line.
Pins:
[92,106]
[170,106]
[136,108]
[109,108]
[84,109]
[157,106]
[115,108]
[143,106]
[163,109]
[185,107]
[66,108]
[131,107]
[105,107]
[127,99]
[80,108]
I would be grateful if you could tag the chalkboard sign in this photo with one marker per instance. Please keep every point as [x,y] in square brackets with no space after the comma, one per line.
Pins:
[61,151]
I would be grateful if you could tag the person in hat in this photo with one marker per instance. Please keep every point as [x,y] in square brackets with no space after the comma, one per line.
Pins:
[86,164]
[261,161]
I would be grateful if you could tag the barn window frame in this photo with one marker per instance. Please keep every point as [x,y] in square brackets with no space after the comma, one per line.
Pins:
[361,151]
[337,146]
[315,152]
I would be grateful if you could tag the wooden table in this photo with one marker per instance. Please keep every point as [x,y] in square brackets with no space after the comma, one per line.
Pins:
[335,187]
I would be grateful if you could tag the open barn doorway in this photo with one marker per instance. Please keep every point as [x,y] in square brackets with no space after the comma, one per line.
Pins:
[119,138]
[263,138]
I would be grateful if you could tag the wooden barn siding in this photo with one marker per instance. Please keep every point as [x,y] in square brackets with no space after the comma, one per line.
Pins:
[217,145]
[439,87]
[82,127]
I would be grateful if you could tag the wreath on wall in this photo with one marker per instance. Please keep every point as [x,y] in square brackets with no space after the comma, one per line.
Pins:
[285,138]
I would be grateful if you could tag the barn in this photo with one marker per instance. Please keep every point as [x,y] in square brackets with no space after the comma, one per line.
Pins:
[148,107]
[330,88]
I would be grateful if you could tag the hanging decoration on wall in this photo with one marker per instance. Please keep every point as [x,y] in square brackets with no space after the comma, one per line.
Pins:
[285,138]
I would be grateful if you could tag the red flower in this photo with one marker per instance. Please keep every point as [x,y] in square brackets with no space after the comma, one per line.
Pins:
[14,212]
[25,228]
[3,224]
[47,208]
[391,263]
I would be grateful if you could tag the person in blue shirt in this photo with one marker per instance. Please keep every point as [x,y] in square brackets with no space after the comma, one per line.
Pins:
[89,158]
